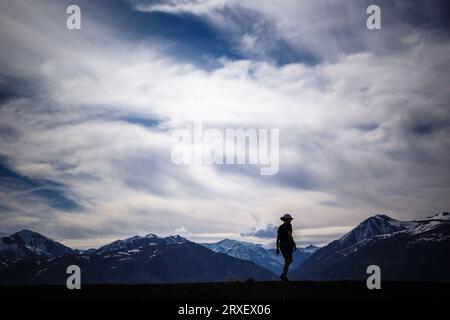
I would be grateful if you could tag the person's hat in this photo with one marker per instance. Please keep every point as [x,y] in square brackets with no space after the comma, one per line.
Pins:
[286,217]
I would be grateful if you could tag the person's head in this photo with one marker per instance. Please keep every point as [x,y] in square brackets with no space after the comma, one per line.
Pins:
[286,218]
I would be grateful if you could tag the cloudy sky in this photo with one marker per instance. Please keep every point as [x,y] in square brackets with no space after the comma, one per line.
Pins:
[86,116]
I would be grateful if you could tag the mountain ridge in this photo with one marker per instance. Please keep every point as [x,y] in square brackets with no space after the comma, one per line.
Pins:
[404,250]
[148,259]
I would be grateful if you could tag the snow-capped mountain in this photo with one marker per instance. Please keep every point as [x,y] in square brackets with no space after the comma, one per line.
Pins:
[384,226]
[405,250]
[246,251]
[137,242]
[29,244]
[147,259]
[264,256]
[374,226]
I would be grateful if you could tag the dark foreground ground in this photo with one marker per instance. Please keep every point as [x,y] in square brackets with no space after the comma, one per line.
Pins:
[347,290]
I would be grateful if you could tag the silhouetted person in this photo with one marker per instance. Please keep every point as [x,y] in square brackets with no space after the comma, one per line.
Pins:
[285,243]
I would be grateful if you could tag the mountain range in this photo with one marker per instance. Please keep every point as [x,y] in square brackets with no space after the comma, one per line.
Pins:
[148,259]
[404,250]
[264,256]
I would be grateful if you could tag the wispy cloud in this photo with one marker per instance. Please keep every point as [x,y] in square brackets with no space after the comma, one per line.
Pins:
[363,128]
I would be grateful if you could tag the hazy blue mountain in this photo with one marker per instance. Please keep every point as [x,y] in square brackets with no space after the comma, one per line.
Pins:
[264,256]
[311,248]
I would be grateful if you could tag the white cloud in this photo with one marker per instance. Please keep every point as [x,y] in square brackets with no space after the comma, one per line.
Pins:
[347,150]
[180,230]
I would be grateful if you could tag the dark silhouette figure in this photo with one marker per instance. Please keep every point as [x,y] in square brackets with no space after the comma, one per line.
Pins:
[285,243]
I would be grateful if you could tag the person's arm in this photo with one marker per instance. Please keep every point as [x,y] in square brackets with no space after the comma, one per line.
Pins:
[292,240]
[278,244]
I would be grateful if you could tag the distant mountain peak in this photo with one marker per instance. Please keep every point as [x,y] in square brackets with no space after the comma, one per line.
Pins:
[233,243]
[29,244]
[311,248]
[151,235]
[26,233]
[381,216]
[228,241]
[374,226]
[175,238]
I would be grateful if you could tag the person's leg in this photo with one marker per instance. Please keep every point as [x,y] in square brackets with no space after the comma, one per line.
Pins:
[287,263]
